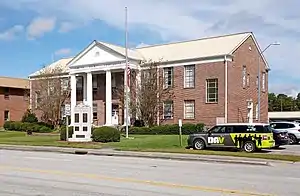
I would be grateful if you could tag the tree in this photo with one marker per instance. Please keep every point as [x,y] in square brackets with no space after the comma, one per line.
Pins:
[29,116]
[148,94]
[52,92]
[283,102]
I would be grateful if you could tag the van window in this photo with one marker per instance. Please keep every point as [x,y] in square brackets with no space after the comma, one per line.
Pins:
[252,129]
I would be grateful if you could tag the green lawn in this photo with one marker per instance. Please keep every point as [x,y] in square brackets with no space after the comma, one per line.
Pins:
[142,143]
[20,138]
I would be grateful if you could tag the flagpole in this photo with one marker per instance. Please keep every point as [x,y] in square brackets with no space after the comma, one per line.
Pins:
[126,74]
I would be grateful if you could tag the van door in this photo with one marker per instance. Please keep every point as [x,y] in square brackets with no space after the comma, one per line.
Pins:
[216,136]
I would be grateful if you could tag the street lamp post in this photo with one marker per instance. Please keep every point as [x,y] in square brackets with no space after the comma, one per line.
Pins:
[258,81]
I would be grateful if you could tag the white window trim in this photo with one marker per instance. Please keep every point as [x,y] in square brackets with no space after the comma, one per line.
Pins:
[244,76]
[263,82]
[184,109]
[206,91]
[184,74]
[164,77]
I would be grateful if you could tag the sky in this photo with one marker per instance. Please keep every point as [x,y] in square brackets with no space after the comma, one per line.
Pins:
[33,33]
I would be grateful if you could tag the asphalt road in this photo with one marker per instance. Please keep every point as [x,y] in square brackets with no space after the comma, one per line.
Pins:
[45,174]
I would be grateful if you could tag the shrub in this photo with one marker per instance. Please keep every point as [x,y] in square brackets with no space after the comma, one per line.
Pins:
[26,127]
[106,134]
[7,125]
[172,129]
[29,117]
[63,130]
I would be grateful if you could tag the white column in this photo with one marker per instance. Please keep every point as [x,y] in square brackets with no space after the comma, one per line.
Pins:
[108,102]
[73,96]
[89,91]
[84,88]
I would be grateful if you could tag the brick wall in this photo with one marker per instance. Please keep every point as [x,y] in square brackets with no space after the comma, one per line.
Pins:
[246,55]
[204,112]
[16,104]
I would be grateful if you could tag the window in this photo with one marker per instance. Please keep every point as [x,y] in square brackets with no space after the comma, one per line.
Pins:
[189,76]
[84,117]
[26,95]
[95,109]
[168,110]
[168,77]
[248,80]
[6,115]
[37,99]
[212,90]
[95,82]
[77,118]
[189,109]
[218,129]
[244,76]
[257,82]
[263,81]
[256,112]
[65,84]
[6,93]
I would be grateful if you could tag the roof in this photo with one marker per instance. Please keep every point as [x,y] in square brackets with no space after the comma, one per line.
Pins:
[14,82]
[133,54]
[172,52]
[237,124]
[62,64]
[284,115]
[193,49]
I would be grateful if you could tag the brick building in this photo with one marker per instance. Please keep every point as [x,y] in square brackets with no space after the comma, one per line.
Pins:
[14,98]
[215,79]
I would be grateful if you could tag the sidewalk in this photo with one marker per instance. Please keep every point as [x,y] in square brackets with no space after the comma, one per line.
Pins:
[152,155]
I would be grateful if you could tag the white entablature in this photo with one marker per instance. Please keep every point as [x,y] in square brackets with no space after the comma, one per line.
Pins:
[99,56]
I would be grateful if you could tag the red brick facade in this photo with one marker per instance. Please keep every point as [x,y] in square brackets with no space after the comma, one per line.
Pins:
[246,55]
[13,103]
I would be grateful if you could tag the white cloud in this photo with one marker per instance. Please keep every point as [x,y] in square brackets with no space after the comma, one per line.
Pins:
[63,51]
[11,33]
[67,26]
[270,20]
[39,26]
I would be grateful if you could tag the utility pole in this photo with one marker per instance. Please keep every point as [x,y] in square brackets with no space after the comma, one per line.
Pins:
[126,74]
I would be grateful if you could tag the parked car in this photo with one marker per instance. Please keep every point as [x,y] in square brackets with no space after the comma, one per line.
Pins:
[281,137]
[293,129]
[246,136]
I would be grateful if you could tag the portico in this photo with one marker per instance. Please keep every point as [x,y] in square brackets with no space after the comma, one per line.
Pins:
[102,68]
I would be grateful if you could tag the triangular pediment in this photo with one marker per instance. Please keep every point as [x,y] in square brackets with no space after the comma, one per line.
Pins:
[96,53]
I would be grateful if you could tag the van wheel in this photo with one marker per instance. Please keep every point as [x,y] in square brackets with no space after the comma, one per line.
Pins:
[249,146]
[199,144]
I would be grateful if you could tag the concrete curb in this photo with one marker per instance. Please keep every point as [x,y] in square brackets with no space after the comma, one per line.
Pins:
[166,156]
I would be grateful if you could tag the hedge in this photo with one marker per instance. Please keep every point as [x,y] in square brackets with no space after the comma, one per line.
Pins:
[63,130]
[26,127]
[106,134]
[173,129]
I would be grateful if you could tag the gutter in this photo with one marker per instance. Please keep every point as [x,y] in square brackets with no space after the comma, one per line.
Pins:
[226,88]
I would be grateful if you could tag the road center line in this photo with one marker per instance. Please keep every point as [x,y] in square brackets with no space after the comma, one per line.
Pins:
[154,183]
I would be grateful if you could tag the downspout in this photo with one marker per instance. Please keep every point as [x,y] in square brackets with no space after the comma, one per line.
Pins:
[226,89]
[30,94]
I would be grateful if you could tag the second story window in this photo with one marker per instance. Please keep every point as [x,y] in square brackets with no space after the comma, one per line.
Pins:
[189,76]
[6,93]
[263,88]
[168,77]
[212,90]
[244,75]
